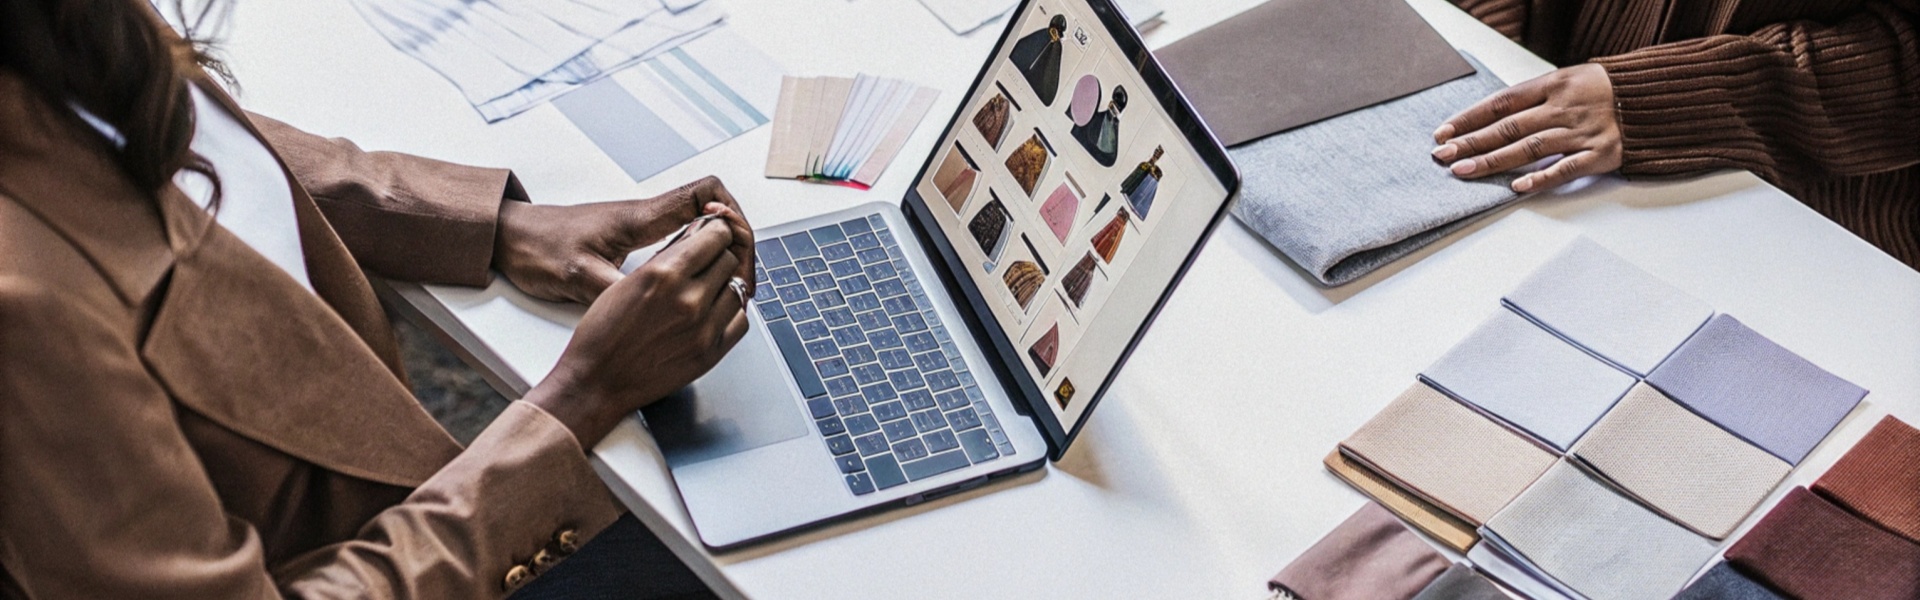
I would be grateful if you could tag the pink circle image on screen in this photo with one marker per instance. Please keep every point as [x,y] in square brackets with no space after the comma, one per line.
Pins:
[1086,99]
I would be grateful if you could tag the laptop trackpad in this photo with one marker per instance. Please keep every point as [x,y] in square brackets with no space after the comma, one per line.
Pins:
[745,402]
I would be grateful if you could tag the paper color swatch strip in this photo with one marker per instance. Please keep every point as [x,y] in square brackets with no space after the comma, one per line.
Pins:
[843,130]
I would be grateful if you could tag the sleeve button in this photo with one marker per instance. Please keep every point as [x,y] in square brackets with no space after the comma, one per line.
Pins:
[544,560]
[517,576]
[567,540]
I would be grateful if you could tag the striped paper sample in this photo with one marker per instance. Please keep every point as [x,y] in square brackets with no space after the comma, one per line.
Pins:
[1680,464]
[672,107]
[1530,378]
[1600,302]
[1447,453]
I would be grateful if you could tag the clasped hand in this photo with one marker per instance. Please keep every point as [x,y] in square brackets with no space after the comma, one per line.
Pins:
[1568,113]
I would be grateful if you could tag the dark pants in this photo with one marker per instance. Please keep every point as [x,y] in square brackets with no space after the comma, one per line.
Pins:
[625,562]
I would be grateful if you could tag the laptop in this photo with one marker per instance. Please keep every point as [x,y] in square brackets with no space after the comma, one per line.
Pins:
[900,352]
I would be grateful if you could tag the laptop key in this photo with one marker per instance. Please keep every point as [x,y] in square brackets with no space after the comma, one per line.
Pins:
[942,381]
[886,471]
[841,444]
[928,421]
[841,386]
[800,246]
[849,406]
[820,407]
[871,320]
[836,252]
[880,271]
[871,444]
[912,322]
[906,380]
[803,311]
[872,256]
[827,299]
[869,374]
[919,342]
[848,336]
[771,254]
[864,241]
[813,330]
[858,355]
[952,400]
[917,400]
[940,441]
[791,294]
[832,367]
[783,276]
[860,484]
[879,392]
[890,288]
[772,310]
[831,426]
[897,430]
[885,338]
[860,424]
[855,226]
[910,450]
[822,348]
[896,359]
[886,237]
[889,411]
[979,448]
[828,234]
[935,465]
[809,266]
[863,302]
[821,281]
[838,317]
[759,274]
[931,361]
[963,419]
[844,268]
[855,284]
[850,463]
[797,363]
[899,305]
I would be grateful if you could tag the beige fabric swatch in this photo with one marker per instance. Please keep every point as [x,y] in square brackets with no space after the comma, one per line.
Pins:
[1449,454]
[1680,464]
[1438,524]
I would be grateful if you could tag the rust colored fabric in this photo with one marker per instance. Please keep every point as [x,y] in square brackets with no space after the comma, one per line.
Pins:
[1370,556]
[1819,97]
[1809,548]
[1879,479]
[181,419]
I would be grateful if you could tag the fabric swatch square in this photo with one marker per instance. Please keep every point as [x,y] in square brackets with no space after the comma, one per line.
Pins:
[1809,548]
[1370,556]
[1492,560]
[1680,464]
[1601,302]
[1450,455]
[1439,525]
[1879,479]
[1723,582]
[1601,544]
[1756,389]
[1461,582]
[1530,378]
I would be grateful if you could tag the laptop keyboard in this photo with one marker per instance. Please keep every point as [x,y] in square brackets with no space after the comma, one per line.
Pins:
[889,393]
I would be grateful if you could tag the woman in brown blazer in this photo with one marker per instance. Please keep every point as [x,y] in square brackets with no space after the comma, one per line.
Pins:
[187,412]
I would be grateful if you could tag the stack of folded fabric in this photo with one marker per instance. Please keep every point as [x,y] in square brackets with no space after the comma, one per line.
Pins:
[1601,432]
[1855,534]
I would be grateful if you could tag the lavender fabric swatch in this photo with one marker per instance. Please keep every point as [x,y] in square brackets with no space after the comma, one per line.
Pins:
[1601,302]
[1756,389]
[1370,556]
[1722,582]
[1461,582]
[1530,378]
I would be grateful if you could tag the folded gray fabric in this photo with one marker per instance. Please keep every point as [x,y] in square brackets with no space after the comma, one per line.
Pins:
[1347,195]
[1461,582]
[1723,583]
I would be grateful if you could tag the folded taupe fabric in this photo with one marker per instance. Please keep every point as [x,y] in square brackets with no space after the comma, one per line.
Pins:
[1680,464]
[1879,479]
[1461,582]
[1756,389]
[1808,548]
[1530,378]
[1573,528]
[1370,556]
[1723,582]
[1601,302]
[1347,195]
[1448,454]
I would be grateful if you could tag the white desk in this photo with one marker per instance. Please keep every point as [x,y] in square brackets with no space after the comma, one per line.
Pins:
[1201,475]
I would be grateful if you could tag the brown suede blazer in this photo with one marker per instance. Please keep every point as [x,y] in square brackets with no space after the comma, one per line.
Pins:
[181,419]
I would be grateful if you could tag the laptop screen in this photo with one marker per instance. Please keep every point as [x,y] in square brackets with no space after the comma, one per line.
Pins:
[1071,193]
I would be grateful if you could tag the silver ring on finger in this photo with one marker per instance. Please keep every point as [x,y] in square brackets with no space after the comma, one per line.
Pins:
[739,289]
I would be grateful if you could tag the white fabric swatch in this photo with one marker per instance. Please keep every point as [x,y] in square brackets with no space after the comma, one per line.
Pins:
[1490,559]
[1597,300]
[1530,378]
[1575,529]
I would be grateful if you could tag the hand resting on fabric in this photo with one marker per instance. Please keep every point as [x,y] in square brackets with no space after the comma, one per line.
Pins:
[1568,113]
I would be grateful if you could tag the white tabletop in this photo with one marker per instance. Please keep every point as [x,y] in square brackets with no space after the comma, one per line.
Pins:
[1200,476]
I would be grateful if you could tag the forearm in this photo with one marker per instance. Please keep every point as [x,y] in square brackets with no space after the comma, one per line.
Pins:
[1789,100]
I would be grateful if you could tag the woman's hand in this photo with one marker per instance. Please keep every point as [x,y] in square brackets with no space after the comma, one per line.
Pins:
[1568,112]
[572,253]
[651,332]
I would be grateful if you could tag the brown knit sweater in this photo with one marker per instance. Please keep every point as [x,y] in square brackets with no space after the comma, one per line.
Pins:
[1819,97]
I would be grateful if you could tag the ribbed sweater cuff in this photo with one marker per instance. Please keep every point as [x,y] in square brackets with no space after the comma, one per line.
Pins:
[1677,105]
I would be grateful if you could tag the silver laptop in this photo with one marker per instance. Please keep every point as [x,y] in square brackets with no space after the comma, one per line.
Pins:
[902,352]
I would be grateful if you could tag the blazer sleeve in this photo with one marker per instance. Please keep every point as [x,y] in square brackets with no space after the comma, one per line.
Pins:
[1790,100]
[402,216]
[104,497]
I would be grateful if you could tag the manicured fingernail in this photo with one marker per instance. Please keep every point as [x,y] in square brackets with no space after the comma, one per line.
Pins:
[1444,132]
[1523,184]
[1444,152]
[1463,168]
